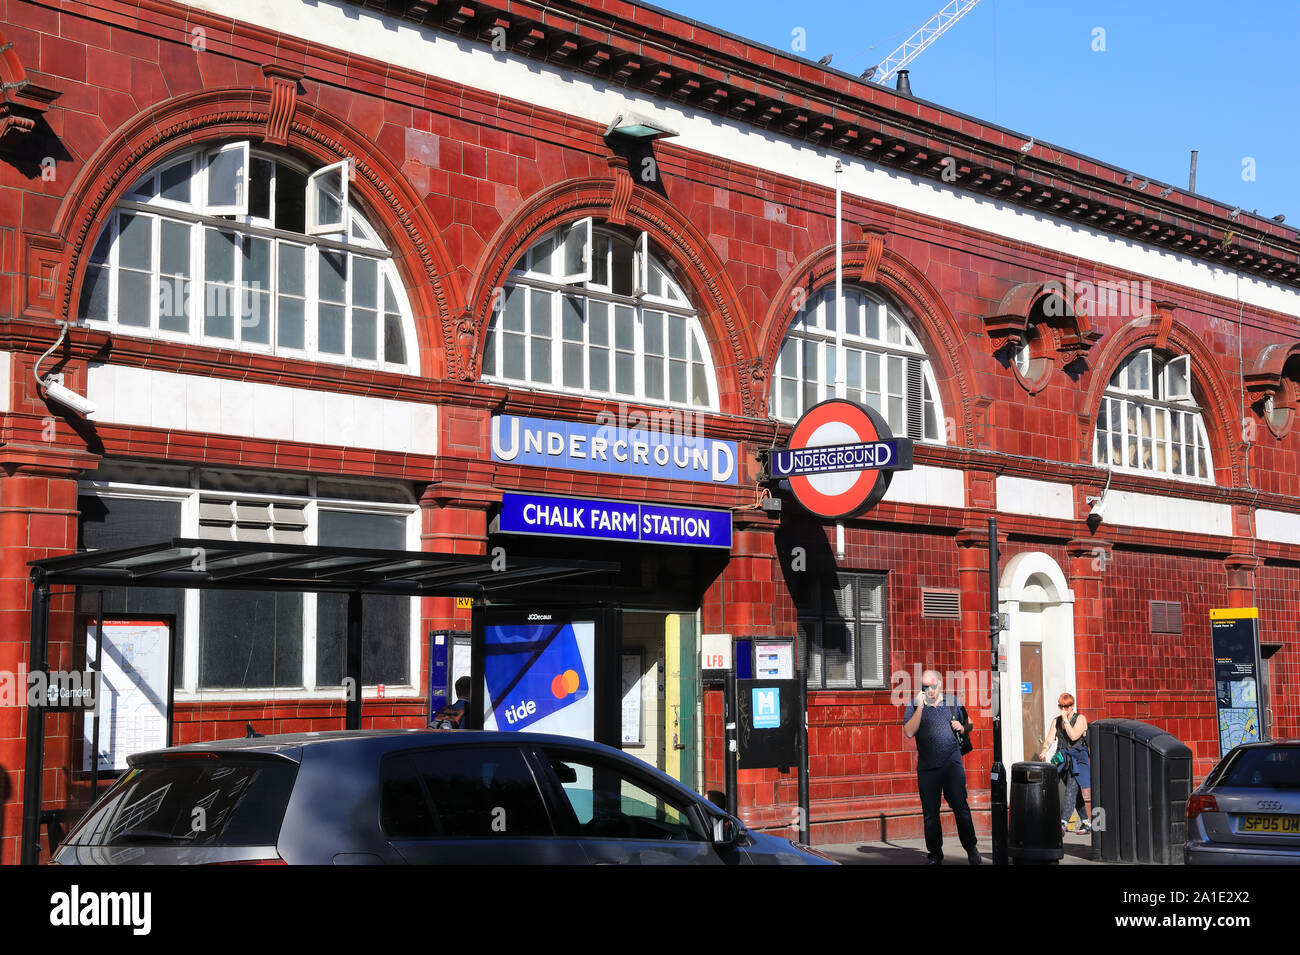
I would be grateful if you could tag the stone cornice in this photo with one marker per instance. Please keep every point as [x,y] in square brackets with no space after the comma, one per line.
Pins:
[674,58]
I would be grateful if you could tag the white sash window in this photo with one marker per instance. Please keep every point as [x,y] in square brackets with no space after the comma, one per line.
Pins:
[231,248]
[594,312]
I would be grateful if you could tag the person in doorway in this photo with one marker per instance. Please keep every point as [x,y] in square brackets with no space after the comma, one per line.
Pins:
[452,716]
[938,723]
[1070,730]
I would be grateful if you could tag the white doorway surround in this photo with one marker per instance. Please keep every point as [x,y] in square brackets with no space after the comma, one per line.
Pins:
[1035,594]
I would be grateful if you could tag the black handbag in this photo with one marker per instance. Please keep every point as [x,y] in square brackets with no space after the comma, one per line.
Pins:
[963,739]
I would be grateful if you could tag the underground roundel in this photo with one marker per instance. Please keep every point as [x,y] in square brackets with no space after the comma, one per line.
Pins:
[840,459]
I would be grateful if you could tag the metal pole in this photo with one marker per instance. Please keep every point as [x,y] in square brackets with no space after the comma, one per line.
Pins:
[729,739]
[352,662]
[478,704]
[805,817]
[99,670]
[839,322]
[997,776]
[839,286]
[37,659]
[1191,178]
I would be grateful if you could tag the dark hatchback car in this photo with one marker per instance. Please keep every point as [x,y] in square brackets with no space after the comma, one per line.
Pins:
[1247,812]
[408,797]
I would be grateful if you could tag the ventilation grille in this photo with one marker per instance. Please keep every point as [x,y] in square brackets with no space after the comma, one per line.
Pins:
[224,518]
[941,604]
[1166,616]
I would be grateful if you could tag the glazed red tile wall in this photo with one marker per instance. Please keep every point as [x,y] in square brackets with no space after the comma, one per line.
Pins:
[474,162]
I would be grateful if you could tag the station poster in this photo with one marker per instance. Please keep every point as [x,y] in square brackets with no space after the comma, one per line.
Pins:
[133,710]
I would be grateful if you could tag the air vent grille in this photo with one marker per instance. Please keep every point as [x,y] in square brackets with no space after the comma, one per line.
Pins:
[940,604]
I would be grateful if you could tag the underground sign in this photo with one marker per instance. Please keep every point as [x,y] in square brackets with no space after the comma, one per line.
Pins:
[840,459]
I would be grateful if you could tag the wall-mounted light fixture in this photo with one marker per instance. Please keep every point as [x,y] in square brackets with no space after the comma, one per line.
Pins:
[636,126]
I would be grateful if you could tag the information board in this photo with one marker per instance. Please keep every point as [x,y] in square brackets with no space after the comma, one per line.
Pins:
[133,709]
[633,722]
[1234,634]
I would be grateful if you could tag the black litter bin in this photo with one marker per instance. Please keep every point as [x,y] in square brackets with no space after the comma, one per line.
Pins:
[1035,829]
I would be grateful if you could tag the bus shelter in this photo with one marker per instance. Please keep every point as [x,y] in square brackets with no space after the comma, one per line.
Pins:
[202,564]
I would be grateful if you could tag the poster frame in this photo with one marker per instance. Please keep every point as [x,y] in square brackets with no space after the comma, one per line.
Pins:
[83,622]
[606,677]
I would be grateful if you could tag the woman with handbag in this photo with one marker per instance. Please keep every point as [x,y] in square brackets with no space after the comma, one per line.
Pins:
[1069,733]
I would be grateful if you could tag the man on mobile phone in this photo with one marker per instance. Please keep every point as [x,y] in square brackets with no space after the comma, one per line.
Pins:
[937,722]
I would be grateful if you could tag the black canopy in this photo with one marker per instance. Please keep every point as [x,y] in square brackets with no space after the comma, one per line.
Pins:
[255,565]
[186,562]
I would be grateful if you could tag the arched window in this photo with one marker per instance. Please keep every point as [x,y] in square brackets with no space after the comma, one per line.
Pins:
[594,312]
[885,365]
[234,248]
[1149,420]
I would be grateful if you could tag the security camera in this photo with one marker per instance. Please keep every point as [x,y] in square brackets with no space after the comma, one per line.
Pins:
[69,398]
[1098,509]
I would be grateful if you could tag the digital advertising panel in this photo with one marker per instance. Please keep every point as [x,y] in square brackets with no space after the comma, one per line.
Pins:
[539,675]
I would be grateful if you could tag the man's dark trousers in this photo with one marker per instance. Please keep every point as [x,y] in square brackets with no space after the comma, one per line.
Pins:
[950,778]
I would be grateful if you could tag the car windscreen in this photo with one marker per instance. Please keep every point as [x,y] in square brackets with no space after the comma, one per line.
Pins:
[1272,767]
[200,802]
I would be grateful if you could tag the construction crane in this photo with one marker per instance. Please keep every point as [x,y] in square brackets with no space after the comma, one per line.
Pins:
[912,47]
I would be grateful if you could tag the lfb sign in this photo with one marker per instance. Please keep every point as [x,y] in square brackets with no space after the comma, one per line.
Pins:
[840,459]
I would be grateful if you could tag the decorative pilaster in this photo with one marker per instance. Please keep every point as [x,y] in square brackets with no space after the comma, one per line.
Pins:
[973,581]
[1090,561]
[1241,579]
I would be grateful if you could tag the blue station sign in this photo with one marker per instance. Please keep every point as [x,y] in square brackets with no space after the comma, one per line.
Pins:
[613,520]
[613,449]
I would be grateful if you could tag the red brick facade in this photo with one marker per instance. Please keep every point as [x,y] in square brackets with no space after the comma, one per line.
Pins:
[460,180]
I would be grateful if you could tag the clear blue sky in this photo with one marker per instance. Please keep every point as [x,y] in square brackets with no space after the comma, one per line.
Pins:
[1219,77]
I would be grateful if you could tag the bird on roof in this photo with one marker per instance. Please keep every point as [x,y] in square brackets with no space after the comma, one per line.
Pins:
[825,60]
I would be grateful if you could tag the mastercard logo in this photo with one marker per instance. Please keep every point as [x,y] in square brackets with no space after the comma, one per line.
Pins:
[564,684]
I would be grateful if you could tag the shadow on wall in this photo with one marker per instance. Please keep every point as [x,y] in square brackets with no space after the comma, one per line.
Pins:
[39,154]
[6,788]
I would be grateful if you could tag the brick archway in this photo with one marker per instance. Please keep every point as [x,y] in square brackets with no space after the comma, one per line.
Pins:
[707,284]
[254,114]
[901,283]
[1165,333]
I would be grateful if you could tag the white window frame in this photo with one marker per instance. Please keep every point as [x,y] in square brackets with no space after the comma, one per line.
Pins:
[200,219]
[641,266]
[813,637]
[814,328]
[189,690]
[582,229]
[1152,416]
[527,280]
[240,206]
[315,227]
[1166,379]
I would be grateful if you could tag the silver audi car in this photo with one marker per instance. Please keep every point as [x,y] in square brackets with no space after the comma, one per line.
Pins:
[1247,812]
[385,797]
